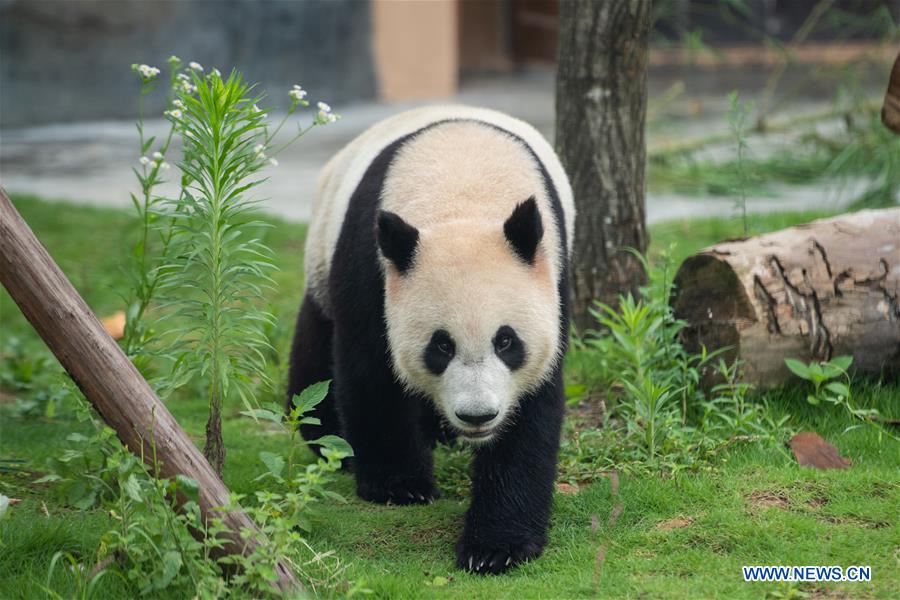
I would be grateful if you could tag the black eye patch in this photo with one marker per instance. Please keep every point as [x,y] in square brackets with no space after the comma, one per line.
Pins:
[439,351]
[509,348]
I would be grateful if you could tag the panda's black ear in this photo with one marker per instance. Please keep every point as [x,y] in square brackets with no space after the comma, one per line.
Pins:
[524,230]
[397,240]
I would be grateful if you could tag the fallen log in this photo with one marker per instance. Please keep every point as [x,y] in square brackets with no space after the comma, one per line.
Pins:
[811,292]
[108,379]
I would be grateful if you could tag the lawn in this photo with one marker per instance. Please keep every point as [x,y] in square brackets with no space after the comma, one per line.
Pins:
[682,536]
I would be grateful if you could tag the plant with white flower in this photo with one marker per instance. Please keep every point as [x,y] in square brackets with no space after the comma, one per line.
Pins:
[195,66]
[325,114]
[297,95]
[183,84]
[146,72]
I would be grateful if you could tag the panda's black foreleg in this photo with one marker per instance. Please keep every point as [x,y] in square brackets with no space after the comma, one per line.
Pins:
[392,458]
[512,487]
[311,363]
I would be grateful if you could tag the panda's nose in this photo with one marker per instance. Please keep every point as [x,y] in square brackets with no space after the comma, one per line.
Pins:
[476,419]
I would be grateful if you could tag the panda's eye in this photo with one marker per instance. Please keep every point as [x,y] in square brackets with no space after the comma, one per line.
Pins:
[439,351]
[509,348]
[503,343]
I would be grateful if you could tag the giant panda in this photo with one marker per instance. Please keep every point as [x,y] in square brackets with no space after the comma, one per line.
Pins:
[436,300]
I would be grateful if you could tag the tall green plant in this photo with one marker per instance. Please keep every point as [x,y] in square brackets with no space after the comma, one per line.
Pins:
[206,259]
[217,272]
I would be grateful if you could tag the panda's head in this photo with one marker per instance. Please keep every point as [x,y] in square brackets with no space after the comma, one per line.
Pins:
[472,313]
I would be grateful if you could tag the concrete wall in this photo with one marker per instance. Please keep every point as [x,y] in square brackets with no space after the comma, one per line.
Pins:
[65,60]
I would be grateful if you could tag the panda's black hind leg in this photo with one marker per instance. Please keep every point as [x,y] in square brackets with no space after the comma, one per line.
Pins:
[311,362]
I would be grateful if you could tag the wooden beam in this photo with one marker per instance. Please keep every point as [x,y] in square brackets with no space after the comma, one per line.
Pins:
[107,378]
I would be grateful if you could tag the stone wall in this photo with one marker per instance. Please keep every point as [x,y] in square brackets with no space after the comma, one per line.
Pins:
[66,60]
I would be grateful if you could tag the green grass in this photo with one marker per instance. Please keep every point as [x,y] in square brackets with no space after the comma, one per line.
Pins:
[757,508]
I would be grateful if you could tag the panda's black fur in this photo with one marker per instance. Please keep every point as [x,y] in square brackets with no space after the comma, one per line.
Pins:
[393,432]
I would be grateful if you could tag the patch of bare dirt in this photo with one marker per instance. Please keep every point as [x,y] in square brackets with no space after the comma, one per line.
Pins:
[817,502]
[678,523]
[768,499]
[567,488]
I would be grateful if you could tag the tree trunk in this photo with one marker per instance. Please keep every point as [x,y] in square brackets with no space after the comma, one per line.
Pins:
[108,379]
[812,292]
[601,105]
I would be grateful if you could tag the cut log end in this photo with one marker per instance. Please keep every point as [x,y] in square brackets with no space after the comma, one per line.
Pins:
[711,299]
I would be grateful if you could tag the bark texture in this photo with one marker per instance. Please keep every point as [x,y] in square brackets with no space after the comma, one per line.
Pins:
[812,292]
[601,106]
[108,379]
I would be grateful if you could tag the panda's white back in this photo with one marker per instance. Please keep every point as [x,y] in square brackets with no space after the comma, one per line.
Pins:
[342,175]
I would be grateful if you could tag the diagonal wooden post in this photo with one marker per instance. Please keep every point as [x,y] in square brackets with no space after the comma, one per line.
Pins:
[107,378]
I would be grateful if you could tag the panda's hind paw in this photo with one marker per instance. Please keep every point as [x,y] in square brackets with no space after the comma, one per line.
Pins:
[488,559]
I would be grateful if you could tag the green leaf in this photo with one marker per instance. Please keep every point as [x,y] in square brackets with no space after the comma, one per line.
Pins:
[171,565]
[812,400]
[132,488]
[838,388]
[49,478]
[310,397]
[274,462]
[841,362]
[797,368]
[188,486]
[264,414]
[335,444]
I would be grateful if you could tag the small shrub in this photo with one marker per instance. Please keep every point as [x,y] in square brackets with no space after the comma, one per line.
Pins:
[659,418]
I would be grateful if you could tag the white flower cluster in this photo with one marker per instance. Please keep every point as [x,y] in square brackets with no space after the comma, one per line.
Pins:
[183,83]
[195,66]
[156,162]
[325,115]
[260,151]
[146,72]
[297,94]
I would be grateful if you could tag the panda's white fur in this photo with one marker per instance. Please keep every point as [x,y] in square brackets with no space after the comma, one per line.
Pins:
[457,183]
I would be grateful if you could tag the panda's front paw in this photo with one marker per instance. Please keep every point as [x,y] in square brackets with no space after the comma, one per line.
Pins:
[397,490]
[496,558]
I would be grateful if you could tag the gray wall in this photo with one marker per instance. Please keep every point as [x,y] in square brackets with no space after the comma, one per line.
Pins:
[65,60]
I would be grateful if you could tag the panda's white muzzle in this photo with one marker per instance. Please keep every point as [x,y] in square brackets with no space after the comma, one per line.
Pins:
[474,397]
